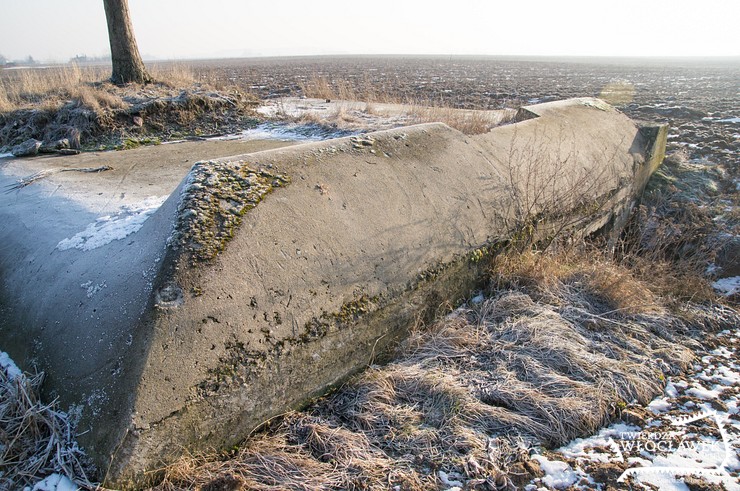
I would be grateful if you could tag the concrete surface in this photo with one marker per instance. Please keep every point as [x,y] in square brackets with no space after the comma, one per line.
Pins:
[262,280]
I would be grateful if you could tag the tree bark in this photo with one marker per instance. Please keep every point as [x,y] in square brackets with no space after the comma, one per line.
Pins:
[127,64]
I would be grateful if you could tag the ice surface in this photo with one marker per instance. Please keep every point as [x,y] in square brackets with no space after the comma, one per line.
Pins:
[109,228]
[287,132]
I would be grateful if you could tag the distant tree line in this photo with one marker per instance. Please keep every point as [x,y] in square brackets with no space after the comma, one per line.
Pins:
[26,61]
[82,59]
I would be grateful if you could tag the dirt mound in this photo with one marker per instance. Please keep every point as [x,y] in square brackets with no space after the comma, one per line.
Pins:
[110,117]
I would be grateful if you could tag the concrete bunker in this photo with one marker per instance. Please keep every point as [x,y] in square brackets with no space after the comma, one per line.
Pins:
[252,284]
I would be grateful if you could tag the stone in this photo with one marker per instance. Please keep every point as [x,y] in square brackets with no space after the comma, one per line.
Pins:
[54,147]
[68,151]
[28,148]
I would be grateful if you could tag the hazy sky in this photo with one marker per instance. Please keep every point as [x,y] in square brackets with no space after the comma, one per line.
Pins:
[59,29]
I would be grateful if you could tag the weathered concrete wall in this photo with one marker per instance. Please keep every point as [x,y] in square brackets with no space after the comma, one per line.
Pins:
[266,278]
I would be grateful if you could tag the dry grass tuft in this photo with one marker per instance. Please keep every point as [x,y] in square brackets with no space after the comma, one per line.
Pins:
[470,122]
[36,439]
[96,98]
[319,87]
[5,104]
[563,276]
[173,75]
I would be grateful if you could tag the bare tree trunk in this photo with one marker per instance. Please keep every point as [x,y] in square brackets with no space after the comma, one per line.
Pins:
[127,64]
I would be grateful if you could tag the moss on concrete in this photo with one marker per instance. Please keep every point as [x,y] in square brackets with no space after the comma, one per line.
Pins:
[214,201]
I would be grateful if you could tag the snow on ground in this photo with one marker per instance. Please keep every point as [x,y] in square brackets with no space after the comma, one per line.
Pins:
[54,482]
[728,286]
[558,475]
[693,430]
[452,481]
[7,364]
[287,132]
[108,228]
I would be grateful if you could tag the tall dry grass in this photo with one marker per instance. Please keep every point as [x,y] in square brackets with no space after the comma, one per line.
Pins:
[88,85]
[320,87]
[467,121]
[173,74]
[470,122]
[678,231]
[29,87]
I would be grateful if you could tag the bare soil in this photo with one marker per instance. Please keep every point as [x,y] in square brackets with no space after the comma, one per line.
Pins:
[693,96]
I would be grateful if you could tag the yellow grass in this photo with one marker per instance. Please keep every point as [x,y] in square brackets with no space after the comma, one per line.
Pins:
[48,87]
[422,111]
[26,87]
[173,74]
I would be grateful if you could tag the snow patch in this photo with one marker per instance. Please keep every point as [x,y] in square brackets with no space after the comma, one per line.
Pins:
[7,364]
[703,393]
[450,480]
[727,286]
[54,482]
[478,299]
[108,228]
[659,405]
[672,444]
[591,447]
[287,132]
[670,390]
[558,475]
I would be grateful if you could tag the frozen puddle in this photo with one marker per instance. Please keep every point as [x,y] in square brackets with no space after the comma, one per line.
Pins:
[108,228]
[690,433]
